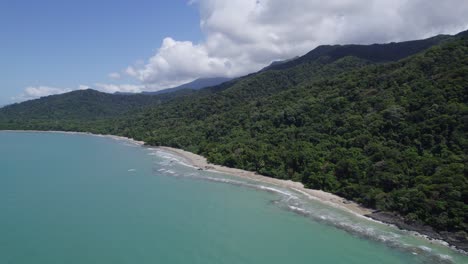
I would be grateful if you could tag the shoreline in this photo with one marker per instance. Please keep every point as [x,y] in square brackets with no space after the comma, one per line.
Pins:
[199,162]
[330,199]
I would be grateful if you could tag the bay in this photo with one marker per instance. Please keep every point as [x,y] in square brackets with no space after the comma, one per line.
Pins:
[85,199]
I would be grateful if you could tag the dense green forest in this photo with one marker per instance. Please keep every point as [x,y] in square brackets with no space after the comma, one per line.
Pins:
[390,132]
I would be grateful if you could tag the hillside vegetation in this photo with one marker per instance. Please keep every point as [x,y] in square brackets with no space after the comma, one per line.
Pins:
[390,134]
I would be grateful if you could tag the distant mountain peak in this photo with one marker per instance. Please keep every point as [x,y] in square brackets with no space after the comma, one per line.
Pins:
[197,84]
[278,62]
[462,34]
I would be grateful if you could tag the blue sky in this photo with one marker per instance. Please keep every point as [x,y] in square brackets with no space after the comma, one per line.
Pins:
[55,46]
[66,43]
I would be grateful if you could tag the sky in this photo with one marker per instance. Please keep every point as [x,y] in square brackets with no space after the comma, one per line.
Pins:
[55,46]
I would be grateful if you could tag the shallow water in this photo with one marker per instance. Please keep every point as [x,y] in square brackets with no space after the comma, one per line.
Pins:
[85,199]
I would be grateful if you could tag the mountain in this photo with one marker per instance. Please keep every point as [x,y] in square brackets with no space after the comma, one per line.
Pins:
[92,104]
[462,34]
[71,111]
[375,53]
[384,125]
[194,85]
[81,104]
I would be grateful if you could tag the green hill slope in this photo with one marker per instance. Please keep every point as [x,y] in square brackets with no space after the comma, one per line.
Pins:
[78,110]
[85,104]
[89,105]
[392,136]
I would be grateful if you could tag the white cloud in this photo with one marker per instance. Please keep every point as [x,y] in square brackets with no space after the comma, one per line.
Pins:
[123,88]
[33,92]
[170,65]
[41,91]
[243,36]
[114,75]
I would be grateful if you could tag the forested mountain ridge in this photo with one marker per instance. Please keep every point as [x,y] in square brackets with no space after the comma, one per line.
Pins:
[82,105]
[392,136]
[376,52]
[90,104]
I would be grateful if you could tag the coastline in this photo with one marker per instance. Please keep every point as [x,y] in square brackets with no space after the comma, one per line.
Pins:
[426,232]
[129,140]
[201,163]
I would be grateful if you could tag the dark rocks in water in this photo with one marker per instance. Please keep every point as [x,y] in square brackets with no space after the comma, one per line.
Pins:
[456,239]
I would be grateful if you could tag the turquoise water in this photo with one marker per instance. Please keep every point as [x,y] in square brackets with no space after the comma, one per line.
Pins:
[85,199]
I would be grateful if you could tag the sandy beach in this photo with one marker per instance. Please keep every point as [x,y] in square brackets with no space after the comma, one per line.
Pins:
[325,197]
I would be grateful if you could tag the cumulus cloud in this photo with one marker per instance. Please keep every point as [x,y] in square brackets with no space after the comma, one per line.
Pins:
[170,65]
[243,36]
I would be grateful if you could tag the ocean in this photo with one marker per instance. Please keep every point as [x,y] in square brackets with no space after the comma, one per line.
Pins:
[73,198]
